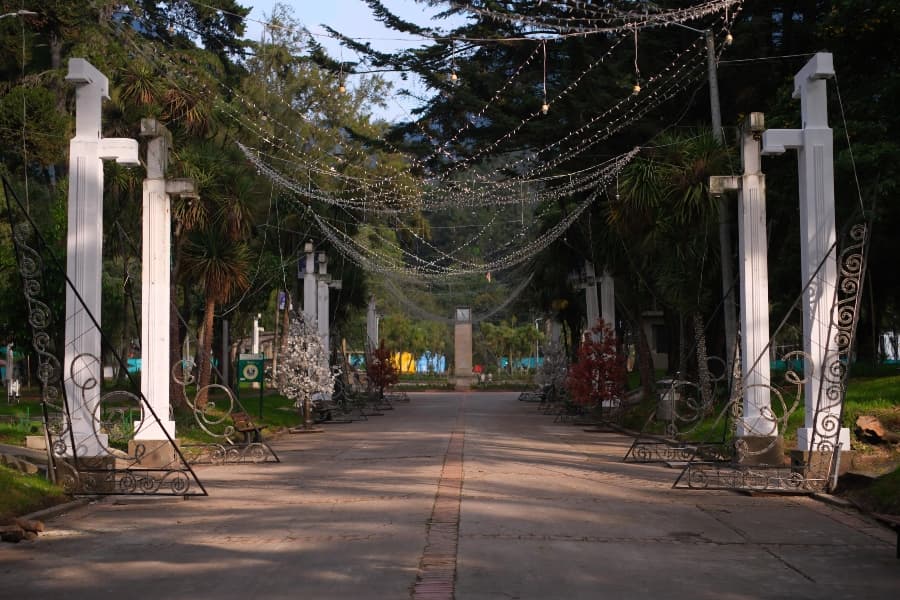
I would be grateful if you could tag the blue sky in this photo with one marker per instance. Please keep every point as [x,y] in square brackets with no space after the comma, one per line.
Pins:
[354,19]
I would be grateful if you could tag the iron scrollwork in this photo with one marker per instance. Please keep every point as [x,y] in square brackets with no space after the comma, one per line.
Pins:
[118,462]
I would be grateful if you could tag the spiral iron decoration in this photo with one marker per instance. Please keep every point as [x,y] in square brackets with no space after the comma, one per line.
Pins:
[112,421]
[815,470]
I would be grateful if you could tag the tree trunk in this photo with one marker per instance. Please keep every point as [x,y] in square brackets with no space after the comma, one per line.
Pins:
[702,361]
[205,354]
[176,391]
[645,361]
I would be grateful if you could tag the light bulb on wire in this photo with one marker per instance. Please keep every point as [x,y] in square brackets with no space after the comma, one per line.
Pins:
[545,107]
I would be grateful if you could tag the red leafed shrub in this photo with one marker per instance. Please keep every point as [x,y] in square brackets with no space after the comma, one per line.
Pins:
[599,372]
[382,372]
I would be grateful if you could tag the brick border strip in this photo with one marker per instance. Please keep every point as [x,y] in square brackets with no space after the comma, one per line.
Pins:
[436,579]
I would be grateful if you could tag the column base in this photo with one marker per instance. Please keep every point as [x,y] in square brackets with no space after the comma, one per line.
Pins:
[462,383]
[154,454]
[762,450]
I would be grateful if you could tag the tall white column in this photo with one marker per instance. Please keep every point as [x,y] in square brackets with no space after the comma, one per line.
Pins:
[372,324]
[757,419]
[815,157]
[310,312]
[254,339]
[608,299]
[156,280]
[84,252]
[590,295]
[322,304]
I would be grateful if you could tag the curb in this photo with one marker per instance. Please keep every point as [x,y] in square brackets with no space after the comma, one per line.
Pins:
[55,511]
[836,501]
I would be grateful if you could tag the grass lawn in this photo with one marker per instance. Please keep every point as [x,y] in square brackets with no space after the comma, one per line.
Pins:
[278,414]
[19,420]
[21,494]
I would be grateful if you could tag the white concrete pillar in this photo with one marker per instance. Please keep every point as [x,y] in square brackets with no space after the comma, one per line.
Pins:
[156,265]
[310,311]
[322,304]
[590,298]
[757,420]
[372,324]
[254,339]
[82,370]
[815,157]
[608,300]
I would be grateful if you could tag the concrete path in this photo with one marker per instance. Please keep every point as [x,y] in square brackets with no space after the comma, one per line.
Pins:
[479,484]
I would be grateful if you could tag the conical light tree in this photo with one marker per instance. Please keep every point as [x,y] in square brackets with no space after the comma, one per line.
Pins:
[303,370]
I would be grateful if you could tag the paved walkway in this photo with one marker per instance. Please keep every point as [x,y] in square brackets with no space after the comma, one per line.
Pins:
[479,484]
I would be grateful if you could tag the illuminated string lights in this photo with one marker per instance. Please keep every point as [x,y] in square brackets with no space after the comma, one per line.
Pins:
[598,20]
[358,189]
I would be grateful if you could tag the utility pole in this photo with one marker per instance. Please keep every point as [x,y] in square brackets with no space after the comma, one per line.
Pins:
[725,247]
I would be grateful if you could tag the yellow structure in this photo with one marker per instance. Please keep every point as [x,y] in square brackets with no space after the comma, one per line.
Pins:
[405,361]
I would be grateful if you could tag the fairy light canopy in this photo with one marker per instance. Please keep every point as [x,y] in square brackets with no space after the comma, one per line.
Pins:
[341,193]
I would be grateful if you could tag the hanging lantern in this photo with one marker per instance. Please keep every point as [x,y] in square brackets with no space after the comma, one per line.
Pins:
[453,77]
[545,108]
[342,89]
[636,89]
[728,39]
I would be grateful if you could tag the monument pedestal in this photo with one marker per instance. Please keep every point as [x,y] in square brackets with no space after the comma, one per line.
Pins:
[763,450]
[154,454]
[463,383]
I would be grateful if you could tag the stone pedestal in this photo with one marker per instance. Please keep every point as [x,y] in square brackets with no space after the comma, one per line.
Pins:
[35,442]
[462,373]
[763,450]
[154,454]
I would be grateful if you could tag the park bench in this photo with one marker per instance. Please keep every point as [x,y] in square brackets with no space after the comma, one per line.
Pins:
[892,522]
[245,425]
[537,395]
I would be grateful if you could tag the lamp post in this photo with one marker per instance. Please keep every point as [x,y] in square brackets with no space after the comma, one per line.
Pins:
[715,109]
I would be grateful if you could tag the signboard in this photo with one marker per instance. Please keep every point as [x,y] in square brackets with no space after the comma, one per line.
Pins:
[251,367]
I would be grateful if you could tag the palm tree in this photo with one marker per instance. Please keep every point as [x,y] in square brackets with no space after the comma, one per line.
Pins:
[666,215]
[219,265]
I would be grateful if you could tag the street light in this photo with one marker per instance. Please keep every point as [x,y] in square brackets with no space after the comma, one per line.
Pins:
[715,106]
[724,212]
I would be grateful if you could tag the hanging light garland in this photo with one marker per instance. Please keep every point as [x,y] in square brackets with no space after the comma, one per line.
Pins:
[545,107]
[373,194]
[637,71]
[600,20]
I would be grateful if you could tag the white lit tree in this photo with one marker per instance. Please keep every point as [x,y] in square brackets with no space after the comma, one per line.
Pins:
[303,370]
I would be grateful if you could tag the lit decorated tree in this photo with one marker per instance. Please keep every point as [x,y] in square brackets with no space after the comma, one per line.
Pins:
[555,367]
[303,370]
[381,370]
[599,374]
